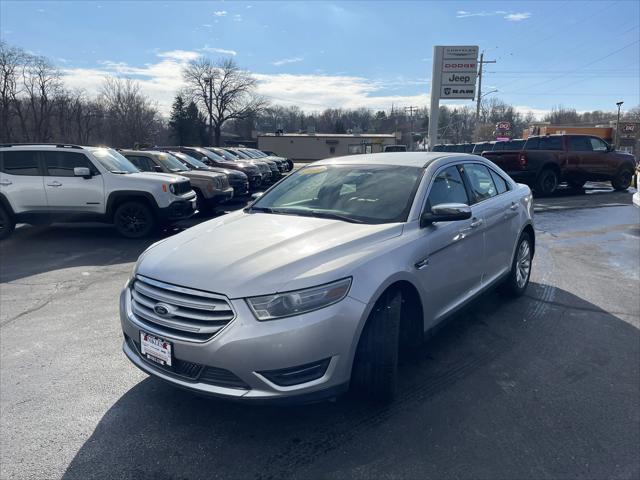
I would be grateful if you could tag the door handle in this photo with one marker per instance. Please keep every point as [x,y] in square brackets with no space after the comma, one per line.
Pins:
[55,184]
[4,183]
[476,223]
[514,206]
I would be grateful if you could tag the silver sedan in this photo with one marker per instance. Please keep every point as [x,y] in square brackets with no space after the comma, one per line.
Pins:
[319,284]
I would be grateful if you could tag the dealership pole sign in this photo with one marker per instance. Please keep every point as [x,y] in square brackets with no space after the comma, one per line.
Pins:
[454,75]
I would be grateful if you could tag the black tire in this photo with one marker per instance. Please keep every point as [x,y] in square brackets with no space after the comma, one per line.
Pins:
[7,224]
[622,180]
[201,203]
[513,285]
[547,182]
[375,366]
[134,219]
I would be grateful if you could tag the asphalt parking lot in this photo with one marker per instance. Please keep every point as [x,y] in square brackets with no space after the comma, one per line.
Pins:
[546,386]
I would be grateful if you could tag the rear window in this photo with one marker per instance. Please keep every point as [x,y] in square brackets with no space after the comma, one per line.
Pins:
[544,143]
[19,163]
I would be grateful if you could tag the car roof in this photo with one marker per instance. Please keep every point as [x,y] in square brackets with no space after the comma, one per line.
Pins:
[405,159]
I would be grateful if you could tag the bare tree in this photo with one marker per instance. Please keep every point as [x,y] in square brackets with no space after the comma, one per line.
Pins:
[223,91]
[131,116]
[11,58]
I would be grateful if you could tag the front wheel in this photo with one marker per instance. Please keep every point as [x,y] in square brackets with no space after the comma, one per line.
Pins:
[547,182]
[376,363]
[134,220]
[7,225]
[622,180]
[518,280]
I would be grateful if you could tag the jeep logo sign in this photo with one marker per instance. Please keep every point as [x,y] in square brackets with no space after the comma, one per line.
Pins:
[459,79]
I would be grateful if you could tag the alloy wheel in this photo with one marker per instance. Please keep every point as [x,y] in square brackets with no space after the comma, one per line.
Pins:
[523,264]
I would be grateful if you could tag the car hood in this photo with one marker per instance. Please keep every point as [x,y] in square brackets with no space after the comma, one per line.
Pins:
[243,255]
[201,174]
[157,177]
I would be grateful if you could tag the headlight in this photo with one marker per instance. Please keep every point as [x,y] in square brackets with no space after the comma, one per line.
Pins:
[269,307]
[172,188]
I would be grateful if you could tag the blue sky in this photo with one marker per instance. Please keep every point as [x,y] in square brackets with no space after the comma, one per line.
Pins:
[345,54]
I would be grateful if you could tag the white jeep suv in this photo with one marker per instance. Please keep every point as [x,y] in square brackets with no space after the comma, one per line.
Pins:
[322,281]
[49,183]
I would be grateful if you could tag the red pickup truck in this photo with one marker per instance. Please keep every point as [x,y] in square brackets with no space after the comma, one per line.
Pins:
[546,161]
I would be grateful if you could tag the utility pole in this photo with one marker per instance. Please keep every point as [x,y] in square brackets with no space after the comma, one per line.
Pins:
[617,142]
[411,110]
[480,63]
[209,81]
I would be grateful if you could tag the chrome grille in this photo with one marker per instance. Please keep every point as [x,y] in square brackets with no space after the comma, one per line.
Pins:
[191,315]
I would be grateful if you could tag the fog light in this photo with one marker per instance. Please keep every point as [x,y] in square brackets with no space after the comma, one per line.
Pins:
[286,377]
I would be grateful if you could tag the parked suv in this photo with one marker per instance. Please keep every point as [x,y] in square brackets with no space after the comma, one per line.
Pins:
[214,160]
[322,281]
[238,180]
[265,167]
[211,188]
[546,161]
[48,183]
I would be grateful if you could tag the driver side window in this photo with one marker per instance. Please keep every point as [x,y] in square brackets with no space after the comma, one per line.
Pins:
[598,145]
[447,187]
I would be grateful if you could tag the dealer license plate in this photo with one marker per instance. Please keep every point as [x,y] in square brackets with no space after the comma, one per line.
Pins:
[156,349]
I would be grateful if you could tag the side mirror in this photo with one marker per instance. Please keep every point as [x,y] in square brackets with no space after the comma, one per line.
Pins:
[83,172]
[157,168]
[206,160]
[445,212]
[256,195]
[611,148]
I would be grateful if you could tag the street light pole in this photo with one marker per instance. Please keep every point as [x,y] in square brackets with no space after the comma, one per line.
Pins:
[209,81]
[617,142]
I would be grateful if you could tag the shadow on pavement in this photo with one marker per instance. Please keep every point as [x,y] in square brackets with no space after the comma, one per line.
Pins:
[518,389]
[32,250]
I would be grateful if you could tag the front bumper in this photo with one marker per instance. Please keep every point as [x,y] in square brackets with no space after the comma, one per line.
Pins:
[178,210]
[221,196]
[246,347]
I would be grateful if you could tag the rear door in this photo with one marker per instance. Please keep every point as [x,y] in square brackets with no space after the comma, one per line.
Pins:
[67,193]
[492,206]
[600,164]
[22,180]
[451,262]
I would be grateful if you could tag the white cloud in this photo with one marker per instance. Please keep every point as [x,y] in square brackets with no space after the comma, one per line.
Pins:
[509,16]
[224,51]
[286,61]
[207,25]
[538,113]
[312,92]
[517,17]
[237,18]
[220,13]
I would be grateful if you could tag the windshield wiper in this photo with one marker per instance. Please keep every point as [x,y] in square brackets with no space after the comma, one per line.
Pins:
[119,172]
[333,216]
[260,209]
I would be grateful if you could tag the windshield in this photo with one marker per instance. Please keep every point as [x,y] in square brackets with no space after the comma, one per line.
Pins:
[210,154]
[353,193]
[223,155]
[113,161]
[240,154]
[190,161]
[249,154]
[258,153]
[171,162]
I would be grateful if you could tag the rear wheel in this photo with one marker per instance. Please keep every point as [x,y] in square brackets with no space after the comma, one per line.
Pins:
[547,182]
[376,363]
[7,225]
[622,180]
[134,220]
[201,203]
[518,280]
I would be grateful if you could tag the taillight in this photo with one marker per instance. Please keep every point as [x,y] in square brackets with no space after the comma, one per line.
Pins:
[522,160]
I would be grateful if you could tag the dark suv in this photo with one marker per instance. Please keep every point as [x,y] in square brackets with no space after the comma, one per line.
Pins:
[214,160]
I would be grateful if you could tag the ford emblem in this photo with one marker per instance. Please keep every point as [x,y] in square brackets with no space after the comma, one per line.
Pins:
[161,309]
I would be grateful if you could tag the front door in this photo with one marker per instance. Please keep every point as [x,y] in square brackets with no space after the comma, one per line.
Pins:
[68,194]
[450,264]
